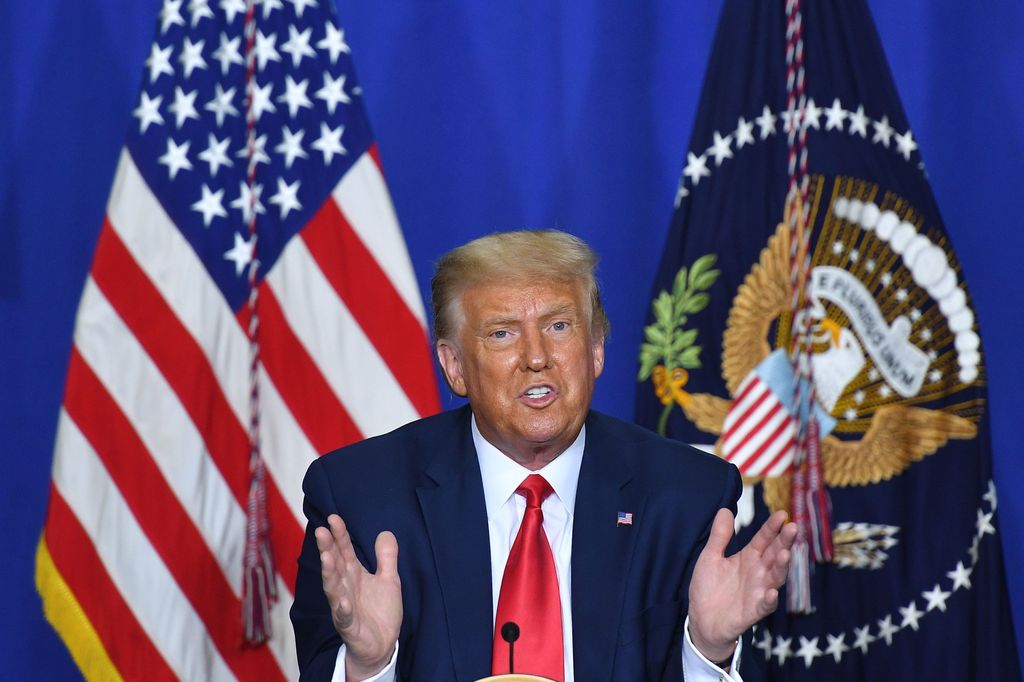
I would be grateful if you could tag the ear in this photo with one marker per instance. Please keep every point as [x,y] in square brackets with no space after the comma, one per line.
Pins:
[451,365]
[598,353]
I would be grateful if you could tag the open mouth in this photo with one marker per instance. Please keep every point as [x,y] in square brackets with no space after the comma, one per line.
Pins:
[539,395]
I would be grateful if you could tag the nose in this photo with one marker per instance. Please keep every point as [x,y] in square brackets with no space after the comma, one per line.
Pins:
[536,354]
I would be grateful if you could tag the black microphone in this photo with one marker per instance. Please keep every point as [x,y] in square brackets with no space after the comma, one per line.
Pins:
[510,633]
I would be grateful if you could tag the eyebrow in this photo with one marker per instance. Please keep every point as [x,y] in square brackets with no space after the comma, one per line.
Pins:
[553,311]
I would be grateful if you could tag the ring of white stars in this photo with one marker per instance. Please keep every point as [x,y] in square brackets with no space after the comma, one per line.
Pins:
[837,119]
[887,628]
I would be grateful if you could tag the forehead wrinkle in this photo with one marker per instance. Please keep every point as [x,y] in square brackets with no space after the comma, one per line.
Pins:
[549,311]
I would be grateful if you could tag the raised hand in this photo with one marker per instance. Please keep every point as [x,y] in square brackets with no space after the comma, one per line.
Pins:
[729,594]
[366,607]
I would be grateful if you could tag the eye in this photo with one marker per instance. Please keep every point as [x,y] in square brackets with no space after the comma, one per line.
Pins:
[560,326]
[499,334]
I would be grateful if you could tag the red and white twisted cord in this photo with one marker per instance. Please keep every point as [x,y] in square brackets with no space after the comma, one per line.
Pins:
[259,584]
[810,505]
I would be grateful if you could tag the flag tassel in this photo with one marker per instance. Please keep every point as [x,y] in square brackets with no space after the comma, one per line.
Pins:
[259,587]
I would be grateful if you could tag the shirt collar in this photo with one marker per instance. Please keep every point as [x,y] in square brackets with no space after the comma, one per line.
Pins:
[501,474]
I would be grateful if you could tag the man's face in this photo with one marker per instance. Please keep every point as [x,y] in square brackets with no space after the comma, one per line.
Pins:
[526,358]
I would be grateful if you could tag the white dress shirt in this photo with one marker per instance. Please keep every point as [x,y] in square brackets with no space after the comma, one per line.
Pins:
[501,476]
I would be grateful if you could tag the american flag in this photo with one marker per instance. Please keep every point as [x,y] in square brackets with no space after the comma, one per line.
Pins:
[141,561]
[624,519]
[759,433]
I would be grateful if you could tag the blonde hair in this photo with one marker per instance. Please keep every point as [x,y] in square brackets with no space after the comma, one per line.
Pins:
[529,255]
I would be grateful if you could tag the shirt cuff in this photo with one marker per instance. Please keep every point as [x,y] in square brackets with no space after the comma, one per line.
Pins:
[385,675]
[697,668]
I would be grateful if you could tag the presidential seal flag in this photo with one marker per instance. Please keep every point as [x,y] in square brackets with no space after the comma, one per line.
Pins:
[250,304]
[810,310]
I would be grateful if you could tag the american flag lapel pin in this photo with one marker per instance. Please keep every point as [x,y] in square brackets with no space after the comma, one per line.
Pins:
[624,519]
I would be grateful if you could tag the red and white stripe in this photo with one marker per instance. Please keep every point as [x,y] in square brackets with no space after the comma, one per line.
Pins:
[758,435]
[150,479]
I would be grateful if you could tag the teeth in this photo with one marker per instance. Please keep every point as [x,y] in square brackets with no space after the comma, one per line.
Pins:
[538,392]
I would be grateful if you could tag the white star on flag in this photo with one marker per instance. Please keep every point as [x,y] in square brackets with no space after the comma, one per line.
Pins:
[291,146]
[148,111]
[766,122]
[248,200]
[883,131]
[159,62]
[191,56]
[836,647]
[720,149]
[811,115]
[905,144]
[783,649]
[269,6]
[744,133]
[862,638]
[858,122]
[170,15]
[221,104]
[228,52]
[886,629]
[184,106]
[936,598]
[232,8]
[199,9]
[961,576]
[834,116]
[258,154]
[261,97]
[211,205]
[808,650]
[334,42]
[286,197]
[301,5]
[216,154]
[241,253]
[329,142]
[696,167]
[298,45]
[295,95]
[911,616]
[333,92]
[264,49]
[176,157]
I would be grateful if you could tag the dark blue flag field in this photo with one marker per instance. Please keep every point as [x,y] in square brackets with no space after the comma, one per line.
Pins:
[915,589]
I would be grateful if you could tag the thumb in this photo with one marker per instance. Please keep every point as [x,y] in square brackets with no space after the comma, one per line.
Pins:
[721,533]
[386,548]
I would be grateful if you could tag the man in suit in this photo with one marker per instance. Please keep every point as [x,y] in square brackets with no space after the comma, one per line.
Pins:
[629,580]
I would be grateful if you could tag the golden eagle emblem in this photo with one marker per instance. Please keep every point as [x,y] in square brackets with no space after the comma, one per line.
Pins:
[893,334]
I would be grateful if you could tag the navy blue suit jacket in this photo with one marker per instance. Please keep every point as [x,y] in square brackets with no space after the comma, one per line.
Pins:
[422,481]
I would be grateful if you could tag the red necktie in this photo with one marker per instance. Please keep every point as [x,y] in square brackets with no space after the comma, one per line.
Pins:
[529,595]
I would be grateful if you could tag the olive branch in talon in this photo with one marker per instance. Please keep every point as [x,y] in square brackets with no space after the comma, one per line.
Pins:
[670,349]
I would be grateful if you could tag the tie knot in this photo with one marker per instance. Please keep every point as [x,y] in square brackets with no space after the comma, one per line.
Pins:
[535,489]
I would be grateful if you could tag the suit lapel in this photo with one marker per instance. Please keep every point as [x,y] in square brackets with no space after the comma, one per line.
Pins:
[456,519]
[601,552]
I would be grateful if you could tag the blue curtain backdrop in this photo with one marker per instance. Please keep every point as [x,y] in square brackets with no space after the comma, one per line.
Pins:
[489,115]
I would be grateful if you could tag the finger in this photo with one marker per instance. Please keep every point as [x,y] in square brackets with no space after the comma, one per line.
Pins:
[768,532]
[324,540]
[386,548]
[788,534]
[770,602]
[342,540]
[721,533]
[779,571]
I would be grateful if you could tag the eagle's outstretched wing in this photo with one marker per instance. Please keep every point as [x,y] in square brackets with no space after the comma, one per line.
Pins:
[707,411]
[763,297]
[898,436]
